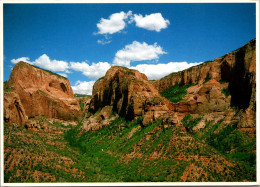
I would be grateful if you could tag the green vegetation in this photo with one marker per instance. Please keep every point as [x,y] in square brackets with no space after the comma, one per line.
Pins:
[42,92]
[226,92]
[81,106]
[39,156]
[24,63]
[7,87]
[176,93]
[156,100]
[101,78]
[126,151]
[104,150]
[49,72]
[81,95]
[237,146]
[207,80]
[228,141]
[125,68]
[223,81]
[189,122]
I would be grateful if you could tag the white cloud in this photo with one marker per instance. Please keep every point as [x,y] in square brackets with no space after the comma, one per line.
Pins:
[63,74]
[157,71]
[137,52]
[24,59]
[115,23]
[94,71]
[83,87]
[153,22]
[44,62]
[54,65]
[103,42]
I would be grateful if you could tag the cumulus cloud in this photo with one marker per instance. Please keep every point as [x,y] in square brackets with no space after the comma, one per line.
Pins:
[94,71]
[115,23]
[24,59]
[157,71]
[54,65]
[152,22]
[137,52]
[83,87]
[45,62]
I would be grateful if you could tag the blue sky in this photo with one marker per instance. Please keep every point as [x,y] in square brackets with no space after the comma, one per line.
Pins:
[81,41]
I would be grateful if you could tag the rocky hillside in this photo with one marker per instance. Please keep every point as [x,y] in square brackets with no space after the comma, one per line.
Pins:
[32,92]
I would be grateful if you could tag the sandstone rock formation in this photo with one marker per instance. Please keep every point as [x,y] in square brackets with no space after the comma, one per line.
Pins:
[236,69]
[100,119]
[205,98]
[85,101]
[42,92]
[13,109]
[129,94]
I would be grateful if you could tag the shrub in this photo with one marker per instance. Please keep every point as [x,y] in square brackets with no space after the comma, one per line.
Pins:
[175,93]
[7,87]
[81,106]
[226,92]
[81,95]
[189,122]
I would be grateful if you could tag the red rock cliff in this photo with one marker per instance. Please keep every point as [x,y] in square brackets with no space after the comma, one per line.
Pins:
[43,93]
[237,69]
[130,94]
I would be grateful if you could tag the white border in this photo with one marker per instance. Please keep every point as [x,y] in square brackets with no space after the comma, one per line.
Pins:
[1,94]
[129,183]
[257,92]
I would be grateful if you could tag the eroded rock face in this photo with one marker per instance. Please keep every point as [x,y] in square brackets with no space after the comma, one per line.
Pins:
[237,69]
[205,98]
[13,109]
[85,101]
[130,95]
[43,93]
[100,119]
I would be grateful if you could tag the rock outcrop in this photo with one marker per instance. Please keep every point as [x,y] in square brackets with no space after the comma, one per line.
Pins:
[13,109]
[205,98]
[237,66]
[130,94]
[85,101]
[237,70]
[42,92]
